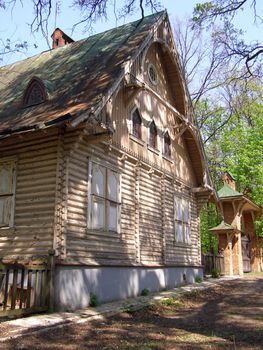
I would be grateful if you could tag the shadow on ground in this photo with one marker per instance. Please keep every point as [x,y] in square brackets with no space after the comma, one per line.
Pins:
[227,316]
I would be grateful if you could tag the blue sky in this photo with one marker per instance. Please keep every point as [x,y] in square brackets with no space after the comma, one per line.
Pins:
[15,24]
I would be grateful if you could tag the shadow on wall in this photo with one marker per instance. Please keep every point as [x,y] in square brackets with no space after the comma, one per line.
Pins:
[75,284]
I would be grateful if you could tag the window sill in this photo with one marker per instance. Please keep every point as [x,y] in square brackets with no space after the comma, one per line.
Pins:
[169,159]
[135,139]
[103,232]
[154,150]
[182,244]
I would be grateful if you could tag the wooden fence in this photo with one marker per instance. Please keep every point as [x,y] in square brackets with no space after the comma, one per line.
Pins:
[24,290]
[213,262]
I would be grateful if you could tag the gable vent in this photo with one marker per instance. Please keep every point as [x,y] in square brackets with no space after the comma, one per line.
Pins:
[35,93]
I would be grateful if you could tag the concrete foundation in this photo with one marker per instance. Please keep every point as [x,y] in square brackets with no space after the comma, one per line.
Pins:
[73,284]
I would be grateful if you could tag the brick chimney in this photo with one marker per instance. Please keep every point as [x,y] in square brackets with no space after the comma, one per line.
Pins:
[229,180]
[59,39]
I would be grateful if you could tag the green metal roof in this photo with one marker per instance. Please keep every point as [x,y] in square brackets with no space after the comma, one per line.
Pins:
[223,226]
[76,76]
[227,191]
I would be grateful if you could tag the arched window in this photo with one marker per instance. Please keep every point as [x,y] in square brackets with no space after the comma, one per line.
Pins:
[153,135]
[167,144]
[136,124]
[35,93]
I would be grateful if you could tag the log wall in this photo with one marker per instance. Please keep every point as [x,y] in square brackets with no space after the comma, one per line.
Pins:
[51,201]
[147,234]
[149,182]
[36,158]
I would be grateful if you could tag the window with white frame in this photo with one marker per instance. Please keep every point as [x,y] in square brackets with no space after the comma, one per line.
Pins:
[7,192]
[104,198]
[182,220]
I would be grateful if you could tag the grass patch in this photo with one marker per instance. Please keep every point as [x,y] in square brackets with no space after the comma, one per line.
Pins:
[198,279]
[145,292]
[171,301]
[93,302]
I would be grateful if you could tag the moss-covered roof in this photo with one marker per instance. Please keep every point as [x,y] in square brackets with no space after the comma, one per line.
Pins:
[77,76]
[227,191]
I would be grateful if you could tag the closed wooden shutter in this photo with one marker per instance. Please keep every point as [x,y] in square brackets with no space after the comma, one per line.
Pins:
[6,193]
[178,219]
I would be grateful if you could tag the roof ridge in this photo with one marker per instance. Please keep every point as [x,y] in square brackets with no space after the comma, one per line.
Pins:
[138,21]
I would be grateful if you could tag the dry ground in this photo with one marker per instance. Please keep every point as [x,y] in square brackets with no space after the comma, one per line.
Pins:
[229,316]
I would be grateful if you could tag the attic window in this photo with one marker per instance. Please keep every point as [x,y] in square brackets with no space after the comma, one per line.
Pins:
[167,145]
[35,93]
[136,124]
[153,135]
[152,74]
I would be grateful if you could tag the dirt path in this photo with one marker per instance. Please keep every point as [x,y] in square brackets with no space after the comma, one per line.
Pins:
[228,316]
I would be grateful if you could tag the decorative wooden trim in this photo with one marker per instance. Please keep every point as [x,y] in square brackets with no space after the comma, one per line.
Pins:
[135,139]
[119,80]
[129,154]
[59,244]
[154,150]
[137,212]
[164,217]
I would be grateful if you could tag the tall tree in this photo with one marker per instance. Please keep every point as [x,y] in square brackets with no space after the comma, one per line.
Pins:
[231,37]
[205,65]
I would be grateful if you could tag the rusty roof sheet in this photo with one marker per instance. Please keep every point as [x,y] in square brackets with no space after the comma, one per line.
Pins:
[76,77]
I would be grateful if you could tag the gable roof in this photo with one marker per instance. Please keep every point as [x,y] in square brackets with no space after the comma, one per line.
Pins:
[76,76]
[227,193]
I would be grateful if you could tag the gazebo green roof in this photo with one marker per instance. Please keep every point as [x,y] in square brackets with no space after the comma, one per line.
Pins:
[223,226]
[227,191]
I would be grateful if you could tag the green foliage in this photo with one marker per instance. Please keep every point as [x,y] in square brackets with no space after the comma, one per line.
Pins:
[93,302]
[171,301]
[209,218]
[242,146]
[201,11]
[145,292]
[237,146]
[198,279]
[128,308]
[215,273]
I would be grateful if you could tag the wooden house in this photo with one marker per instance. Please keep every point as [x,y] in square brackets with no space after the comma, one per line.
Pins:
[102,164]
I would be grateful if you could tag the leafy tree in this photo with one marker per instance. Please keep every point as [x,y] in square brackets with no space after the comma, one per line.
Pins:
[209,218]
[238,147]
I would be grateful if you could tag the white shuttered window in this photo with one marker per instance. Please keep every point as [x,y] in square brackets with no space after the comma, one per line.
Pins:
[7,192]
[104,203]
[182,220]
